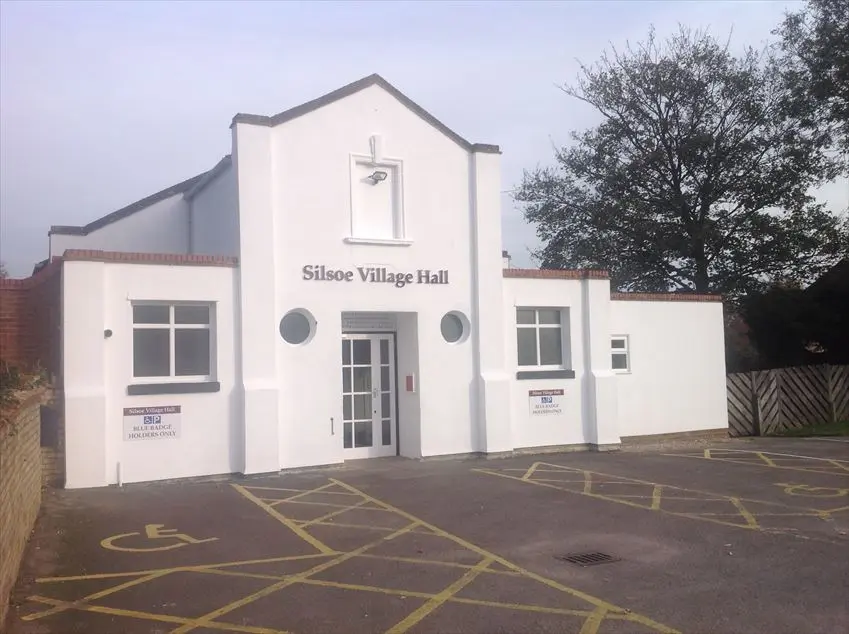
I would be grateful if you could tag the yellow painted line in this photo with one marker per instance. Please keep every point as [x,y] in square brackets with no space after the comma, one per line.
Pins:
[769,461]
[637,618]
[96,595]
[607,498]
[655,497]
[530,471]
[588,484]
[593,622]
[707,453]
[434,562]
[756,463]
[385,529]
[135,573]
[298,490]
[204,620]
[333,514]
[444,595]
[151,616]
[274,503]
[672,487]
[321,547]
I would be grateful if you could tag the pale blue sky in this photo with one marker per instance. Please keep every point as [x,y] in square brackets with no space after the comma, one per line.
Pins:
[104,103]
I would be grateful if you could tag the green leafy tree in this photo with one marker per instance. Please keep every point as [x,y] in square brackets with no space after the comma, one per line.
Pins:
[3,271]
[691,181]
[815,66]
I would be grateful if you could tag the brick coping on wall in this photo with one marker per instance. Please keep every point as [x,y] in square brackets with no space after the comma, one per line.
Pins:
[173,259]
[666,297]
[34,280]
[557,274]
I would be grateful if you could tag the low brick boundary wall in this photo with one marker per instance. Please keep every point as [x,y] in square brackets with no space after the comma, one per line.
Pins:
[20,487]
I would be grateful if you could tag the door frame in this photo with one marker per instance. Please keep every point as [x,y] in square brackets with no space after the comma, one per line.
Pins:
[396,413]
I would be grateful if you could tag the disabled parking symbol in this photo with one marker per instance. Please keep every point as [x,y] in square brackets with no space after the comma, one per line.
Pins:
[153,532]
[805,490]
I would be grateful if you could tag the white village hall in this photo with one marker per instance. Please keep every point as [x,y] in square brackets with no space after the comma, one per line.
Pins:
[335,289]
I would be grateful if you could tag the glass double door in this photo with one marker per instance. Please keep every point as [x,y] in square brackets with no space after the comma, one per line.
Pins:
[368,395]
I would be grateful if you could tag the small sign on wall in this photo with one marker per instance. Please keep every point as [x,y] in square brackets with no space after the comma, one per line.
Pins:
[152,423]
[545,402]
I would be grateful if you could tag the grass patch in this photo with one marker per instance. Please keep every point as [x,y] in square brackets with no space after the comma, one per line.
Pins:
[828,429]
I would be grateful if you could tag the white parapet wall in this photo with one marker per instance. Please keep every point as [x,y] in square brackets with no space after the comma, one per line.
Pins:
[199,422]
[675,380]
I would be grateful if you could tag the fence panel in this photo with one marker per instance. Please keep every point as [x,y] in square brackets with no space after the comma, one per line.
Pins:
[839,392]
[741,415]
[770,401]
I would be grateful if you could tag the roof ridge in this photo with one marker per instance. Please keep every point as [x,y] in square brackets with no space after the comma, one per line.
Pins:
[354,87]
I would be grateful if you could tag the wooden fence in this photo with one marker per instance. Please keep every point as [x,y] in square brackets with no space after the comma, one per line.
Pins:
[767,401]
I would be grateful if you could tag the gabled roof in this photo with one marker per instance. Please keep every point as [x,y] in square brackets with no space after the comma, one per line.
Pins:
[179,188]
[191,187]
[350,89]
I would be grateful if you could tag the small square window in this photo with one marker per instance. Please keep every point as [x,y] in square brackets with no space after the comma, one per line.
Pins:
[540,337]
[620,355]
[173,341]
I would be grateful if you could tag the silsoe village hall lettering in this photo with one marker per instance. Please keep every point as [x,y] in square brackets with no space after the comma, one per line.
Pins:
[375,275]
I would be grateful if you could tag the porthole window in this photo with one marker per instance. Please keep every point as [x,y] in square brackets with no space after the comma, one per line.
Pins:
[297,327]
[454,327]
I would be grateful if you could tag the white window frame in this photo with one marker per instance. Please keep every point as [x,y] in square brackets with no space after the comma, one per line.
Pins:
[399,229]
[626,351]
[564,351]
[171,326]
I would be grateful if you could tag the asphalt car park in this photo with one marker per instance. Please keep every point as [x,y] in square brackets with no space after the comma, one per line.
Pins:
[733,536]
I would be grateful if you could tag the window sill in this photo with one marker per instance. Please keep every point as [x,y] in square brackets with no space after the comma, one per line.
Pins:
[379,241]
[173,388]
[525,375]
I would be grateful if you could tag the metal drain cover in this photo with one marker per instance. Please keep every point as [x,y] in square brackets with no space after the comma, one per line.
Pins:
[588,559]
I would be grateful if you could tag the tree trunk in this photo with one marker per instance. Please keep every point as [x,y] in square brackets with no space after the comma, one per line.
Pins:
[701,277]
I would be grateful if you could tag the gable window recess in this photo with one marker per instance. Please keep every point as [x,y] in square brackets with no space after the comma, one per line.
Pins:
[620,354]
[540,337]
[173,345]
[377,201]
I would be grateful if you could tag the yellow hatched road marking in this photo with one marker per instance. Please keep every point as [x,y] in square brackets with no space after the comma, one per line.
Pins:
[738,502]
[630,616]
[152,616]
[438,599]
[331,514]
[322,548]
[530,471]
[596,613]
[96,595]
[593,622]
[750,519]
[203,620]
[754,459]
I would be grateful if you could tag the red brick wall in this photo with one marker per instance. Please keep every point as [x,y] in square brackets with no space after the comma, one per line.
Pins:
[20,492]
[30,320]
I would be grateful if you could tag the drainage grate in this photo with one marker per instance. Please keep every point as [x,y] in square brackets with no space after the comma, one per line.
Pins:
[588,559]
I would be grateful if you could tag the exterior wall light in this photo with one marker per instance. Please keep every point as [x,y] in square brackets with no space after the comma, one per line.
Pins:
[378,177]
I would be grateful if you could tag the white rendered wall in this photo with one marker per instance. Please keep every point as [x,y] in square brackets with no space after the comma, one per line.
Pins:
[215,217]
[97,371]
[570,427]
[677,357]
[295,211]
[160,228]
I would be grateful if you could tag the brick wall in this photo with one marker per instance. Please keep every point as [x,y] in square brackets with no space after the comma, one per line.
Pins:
[30,326]
[20,487]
